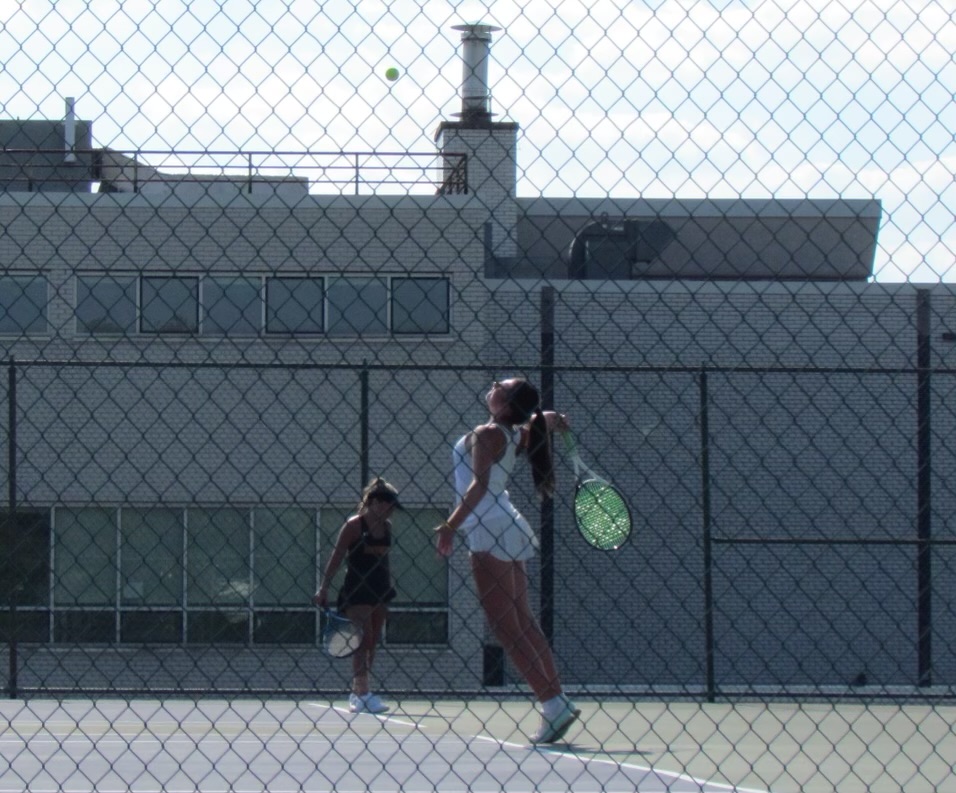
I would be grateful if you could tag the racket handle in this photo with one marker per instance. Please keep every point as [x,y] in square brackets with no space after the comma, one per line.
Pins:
[569,444]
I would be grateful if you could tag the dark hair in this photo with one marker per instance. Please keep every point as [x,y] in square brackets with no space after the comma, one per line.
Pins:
[379,490]
[525,403]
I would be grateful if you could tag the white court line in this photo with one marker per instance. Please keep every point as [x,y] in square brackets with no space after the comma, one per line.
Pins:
[379,716]
[676,775]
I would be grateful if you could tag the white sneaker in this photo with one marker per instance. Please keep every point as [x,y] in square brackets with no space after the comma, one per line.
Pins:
[356,703]
[552,730]
[372,704]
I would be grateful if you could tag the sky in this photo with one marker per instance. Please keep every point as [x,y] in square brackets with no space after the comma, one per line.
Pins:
[669,98]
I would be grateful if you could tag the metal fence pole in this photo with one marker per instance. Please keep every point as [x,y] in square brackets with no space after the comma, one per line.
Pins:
[924,507]
[12,650]
[707,549]
[363,424]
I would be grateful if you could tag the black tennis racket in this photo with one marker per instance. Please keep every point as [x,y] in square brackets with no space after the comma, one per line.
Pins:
[600,511]
[340,636]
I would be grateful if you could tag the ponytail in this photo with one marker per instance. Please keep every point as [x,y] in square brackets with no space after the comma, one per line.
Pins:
[525,403]
[539,455]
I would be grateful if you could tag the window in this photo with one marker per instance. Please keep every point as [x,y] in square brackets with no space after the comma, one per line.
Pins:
[284,574]
[420,575]
[25,575]
[152,557]
[420,612]
[84,576]
[83,626]
[358,306]
[231,306]
[236,305]
[24,558]
[106,304]
[23,302]
[208,575]
[217,553]
[169,304]
[151,627]
[285,554]
[417,627]
[85,559]
[284,627]
[420,305]
[249,574]
[294,305]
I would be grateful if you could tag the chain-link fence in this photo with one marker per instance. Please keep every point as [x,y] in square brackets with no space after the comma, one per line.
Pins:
[255,255]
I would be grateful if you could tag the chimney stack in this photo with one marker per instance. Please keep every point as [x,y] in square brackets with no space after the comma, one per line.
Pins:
[475,96]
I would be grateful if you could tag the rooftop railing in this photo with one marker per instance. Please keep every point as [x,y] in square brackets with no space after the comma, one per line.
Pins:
[304,172]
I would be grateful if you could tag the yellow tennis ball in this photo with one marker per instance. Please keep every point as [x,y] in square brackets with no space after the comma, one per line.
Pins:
[391,73]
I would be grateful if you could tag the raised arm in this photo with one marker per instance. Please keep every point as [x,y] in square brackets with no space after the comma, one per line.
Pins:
[557,422]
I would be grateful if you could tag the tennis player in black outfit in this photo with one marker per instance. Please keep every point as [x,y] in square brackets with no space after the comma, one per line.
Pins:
[364,542]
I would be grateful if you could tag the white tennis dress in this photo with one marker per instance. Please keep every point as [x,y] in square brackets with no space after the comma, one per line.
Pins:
[495,525]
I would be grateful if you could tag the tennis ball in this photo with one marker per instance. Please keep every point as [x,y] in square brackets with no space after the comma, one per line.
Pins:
[391,73]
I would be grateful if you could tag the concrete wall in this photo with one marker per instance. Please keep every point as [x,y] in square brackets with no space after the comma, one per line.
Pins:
[811,402]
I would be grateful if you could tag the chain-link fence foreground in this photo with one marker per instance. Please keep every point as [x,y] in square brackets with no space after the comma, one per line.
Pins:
[441,745]
[772,600]
[254,256]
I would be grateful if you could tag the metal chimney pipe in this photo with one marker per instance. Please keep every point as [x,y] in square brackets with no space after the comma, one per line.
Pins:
[69,131]
[475,96]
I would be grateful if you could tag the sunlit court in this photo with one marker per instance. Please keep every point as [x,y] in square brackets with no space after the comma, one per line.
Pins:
[276,745]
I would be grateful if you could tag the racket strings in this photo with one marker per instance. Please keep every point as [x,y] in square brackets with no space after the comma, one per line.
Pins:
[342,643]
[341,637]
[602,515]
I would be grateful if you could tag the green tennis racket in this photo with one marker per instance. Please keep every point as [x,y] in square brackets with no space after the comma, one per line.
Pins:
[600,511]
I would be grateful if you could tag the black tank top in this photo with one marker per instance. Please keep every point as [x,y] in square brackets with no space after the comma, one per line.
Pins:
[367,578]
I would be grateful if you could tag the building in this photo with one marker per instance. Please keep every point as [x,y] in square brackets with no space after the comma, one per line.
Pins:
[206,361]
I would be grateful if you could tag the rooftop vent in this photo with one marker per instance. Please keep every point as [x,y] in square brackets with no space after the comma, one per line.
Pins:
[475,96]
[617,250]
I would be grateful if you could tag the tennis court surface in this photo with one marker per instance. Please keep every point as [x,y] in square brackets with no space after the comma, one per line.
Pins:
[281,745]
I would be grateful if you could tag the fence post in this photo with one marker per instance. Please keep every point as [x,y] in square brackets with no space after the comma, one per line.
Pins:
[924,507]
[12,650]
[363,424]
[707,549]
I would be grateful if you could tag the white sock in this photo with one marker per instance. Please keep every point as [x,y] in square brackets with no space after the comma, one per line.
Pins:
[552,707]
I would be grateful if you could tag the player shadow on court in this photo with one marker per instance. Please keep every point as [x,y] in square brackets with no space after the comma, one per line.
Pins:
[592,751]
